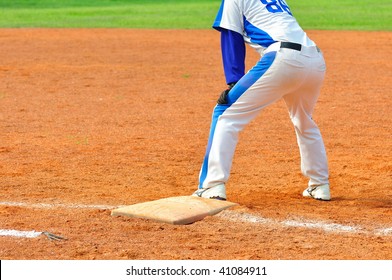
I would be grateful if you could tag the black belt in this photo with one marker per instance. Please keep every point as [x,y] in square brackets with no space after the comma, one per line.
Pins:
[289,45]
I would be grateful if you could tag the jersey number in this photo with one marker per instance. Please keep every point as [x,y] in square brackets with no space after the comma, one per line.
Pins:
[276,6]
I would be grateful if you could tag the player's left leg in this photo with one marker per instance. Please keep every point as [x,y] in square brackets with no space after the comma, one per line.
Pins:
[313,155]
[300,104]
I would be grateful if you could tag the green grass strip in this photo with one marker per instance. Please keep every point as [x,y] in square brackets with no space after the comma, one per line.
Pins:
[185,14]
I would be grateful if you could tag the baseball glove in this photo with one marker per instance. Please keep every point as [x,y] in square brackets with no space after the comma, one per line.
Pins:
[222,100]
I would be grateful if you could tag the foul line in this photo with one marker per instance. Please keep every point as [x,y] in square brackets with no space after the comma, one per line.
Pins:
[20,233]
[328,227]
[56,205]
[230,215]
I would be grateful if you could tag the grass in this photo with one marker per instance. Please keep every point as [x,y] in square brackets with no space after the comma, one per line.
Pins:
[185,14]
[343,14]
[167,14]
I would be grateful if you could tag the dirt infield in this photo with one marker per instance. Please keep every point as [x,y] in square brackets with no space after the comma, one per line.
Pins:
[95,119]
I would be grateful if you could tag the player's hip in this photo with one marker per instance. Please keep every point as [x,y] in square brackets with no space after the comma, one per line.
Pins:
[297,56]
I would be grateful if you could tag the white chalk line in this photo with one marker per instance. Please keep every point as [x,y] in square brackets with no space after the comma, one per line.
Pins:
[384,231]
[56,205]
[35,234]
[299,223]
[20,233]
[231,215]
[30,234]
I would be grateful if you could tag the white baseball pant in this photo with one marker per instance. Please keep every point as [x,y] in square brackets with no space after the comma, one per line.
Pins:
[297,77]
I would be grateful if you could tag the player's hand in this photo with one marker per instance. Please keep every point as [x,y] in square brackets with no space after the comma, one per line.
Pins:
[223,96]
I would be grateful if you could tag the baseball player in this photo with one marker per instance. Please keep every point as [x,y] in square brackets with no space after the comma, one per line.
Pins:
[291,67]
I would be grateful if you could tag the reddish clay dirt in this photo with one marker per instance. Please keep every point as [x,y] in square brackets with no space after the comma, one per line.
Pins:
[116,117]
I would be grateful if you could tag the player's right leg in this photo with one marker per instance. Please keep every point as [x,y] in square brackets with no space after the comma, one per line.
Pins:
[245,100]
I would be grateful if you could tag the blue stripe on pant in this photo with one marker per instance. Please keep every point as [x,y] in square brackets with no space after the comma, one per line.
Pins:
[235,93]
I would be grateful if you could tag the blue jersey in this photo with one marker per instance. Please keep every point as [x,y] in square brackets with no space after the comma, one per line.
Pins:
[261,22]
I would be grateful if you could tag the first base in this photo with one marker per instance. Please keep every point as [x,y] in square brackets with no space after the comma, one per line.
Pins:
[178,210]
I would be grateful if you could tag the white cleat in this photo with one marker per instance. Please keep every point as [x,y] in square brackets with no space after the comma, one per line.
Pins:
[216,192]
[318,192]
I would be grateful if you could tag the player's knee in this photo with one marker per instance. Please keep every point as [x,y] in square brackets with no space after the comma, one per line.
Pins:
[304,125]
